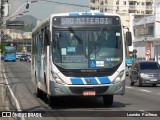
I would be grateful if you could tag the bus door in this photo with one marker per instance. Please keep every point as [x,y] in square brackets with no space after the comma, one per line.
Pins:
[39,58]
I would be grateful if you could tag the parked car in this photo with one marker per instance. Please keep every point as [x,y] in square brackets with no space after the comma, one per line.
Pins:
[145,72]
[23,57]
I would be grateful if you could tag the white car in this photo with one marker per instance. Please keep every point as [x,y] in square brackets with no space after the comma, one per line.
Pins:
[18,55]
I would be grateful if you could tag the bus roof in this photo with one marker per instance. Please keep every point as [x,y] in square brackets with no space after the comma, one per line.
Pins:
[85,14]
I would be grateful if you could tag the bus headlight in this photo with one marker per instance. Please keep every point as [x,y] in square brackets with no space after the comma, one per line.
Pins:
[57,78]
[118,78]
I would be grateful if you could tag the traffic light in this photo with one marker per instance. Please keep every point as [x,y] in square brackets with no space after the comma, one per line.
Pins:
[27,6]
[5,9]
[2,10]
[134,54]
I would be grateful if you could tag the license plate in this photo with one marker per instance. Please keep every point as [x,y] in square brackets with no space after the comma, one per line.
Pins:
[153,79]
[89,93]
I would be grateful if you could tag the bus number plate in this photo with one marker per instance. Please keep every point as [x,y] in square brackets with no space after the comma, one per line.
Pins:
[89,93]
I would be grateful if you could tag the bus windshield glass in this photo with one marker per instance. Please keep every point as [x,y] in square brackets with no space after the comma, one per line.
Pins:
[10,50]
[94,48]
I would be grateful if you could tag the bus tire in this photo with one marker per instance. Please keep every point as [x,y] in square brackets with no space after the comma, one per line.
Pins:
[38,92]
[52,101]
[108,100]
[49,100]
[132,83]
[154,85]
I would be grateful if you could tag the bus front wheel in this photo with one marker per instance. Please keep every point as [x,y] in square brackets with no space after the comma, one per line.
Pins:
[38,92]
[108,99]
[52,101]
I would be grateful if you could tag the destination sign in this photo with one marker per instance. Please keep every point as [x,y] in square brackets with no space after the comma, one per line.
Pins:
[88,21]
[85,20]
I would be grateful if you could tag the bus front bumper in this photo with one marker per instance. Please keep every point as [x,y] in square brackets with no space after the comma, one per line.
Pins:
[78,90]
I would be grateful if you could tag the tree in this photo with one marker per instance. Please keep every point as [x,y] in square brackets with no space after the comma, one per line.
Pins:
[2,46]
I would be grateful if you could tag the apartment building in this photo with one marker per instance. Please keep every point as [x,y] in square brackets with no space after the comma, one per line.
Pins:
[138,8]
[123,6]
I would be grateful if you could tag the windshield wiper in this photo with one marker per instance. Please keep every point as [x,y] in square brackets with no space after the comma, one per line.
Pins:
[75,35]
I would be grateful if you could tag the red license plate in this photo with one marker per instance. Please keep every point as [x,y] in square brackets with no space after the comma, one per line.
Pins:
[89,93]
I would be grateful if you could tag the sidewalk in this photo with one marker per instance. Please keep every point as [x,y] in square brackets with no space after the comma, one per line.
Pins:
[2,106]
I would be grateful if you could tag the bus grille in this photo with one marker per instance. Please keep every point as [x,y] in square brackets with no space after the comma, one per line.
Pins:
[98,90]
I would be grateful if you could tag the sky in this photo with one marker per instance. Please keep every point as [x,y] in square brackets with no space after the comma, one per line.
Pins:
[43,9]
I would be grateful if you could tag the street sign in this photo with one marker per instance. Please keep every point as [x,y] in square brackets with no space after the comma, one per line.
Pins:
[14,24]
[5,0]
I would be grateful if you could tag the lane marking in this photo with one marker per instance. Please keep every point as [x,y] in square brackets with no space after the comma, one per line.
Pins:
[144,90]
[140,89]
[12,93]
[14,97]
[142,110]
[129,87]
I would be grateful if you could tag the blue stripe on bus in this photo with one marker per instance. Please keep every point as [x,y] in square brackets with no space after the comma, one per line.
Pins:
[99,14]
[86,13]
[104,80]
[74,14]
[76,81]
[91,80]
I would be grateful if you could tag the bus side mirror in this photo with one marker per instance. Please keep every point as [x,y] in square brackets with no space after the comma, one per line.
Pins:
[129,38]
[47,38]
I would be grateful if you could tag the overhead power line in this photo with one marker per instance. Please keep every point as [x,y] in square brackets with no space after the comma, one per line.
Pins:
[49,1]
[89,6]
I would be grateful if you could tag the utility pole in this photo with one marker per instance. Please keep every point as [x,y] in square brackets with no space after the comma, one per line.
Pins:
[1,23]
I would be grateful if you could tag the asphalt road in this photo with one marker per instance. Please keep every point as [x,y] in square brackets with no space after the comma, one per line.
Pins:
[136,99]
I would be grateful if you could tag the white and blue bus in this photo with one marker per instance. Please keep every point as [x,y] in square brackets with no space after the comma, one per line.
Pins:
[79,54]
[10,53]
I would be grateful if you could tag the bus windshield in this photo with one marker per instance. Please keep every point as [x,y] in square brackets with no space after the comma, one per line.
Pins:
[94,48]
[10,50]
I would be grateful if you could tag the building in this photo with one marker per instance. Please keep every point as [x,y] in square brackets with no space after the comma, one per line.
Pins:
[123,6]
[147,36]
[18,34]
[144,36]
